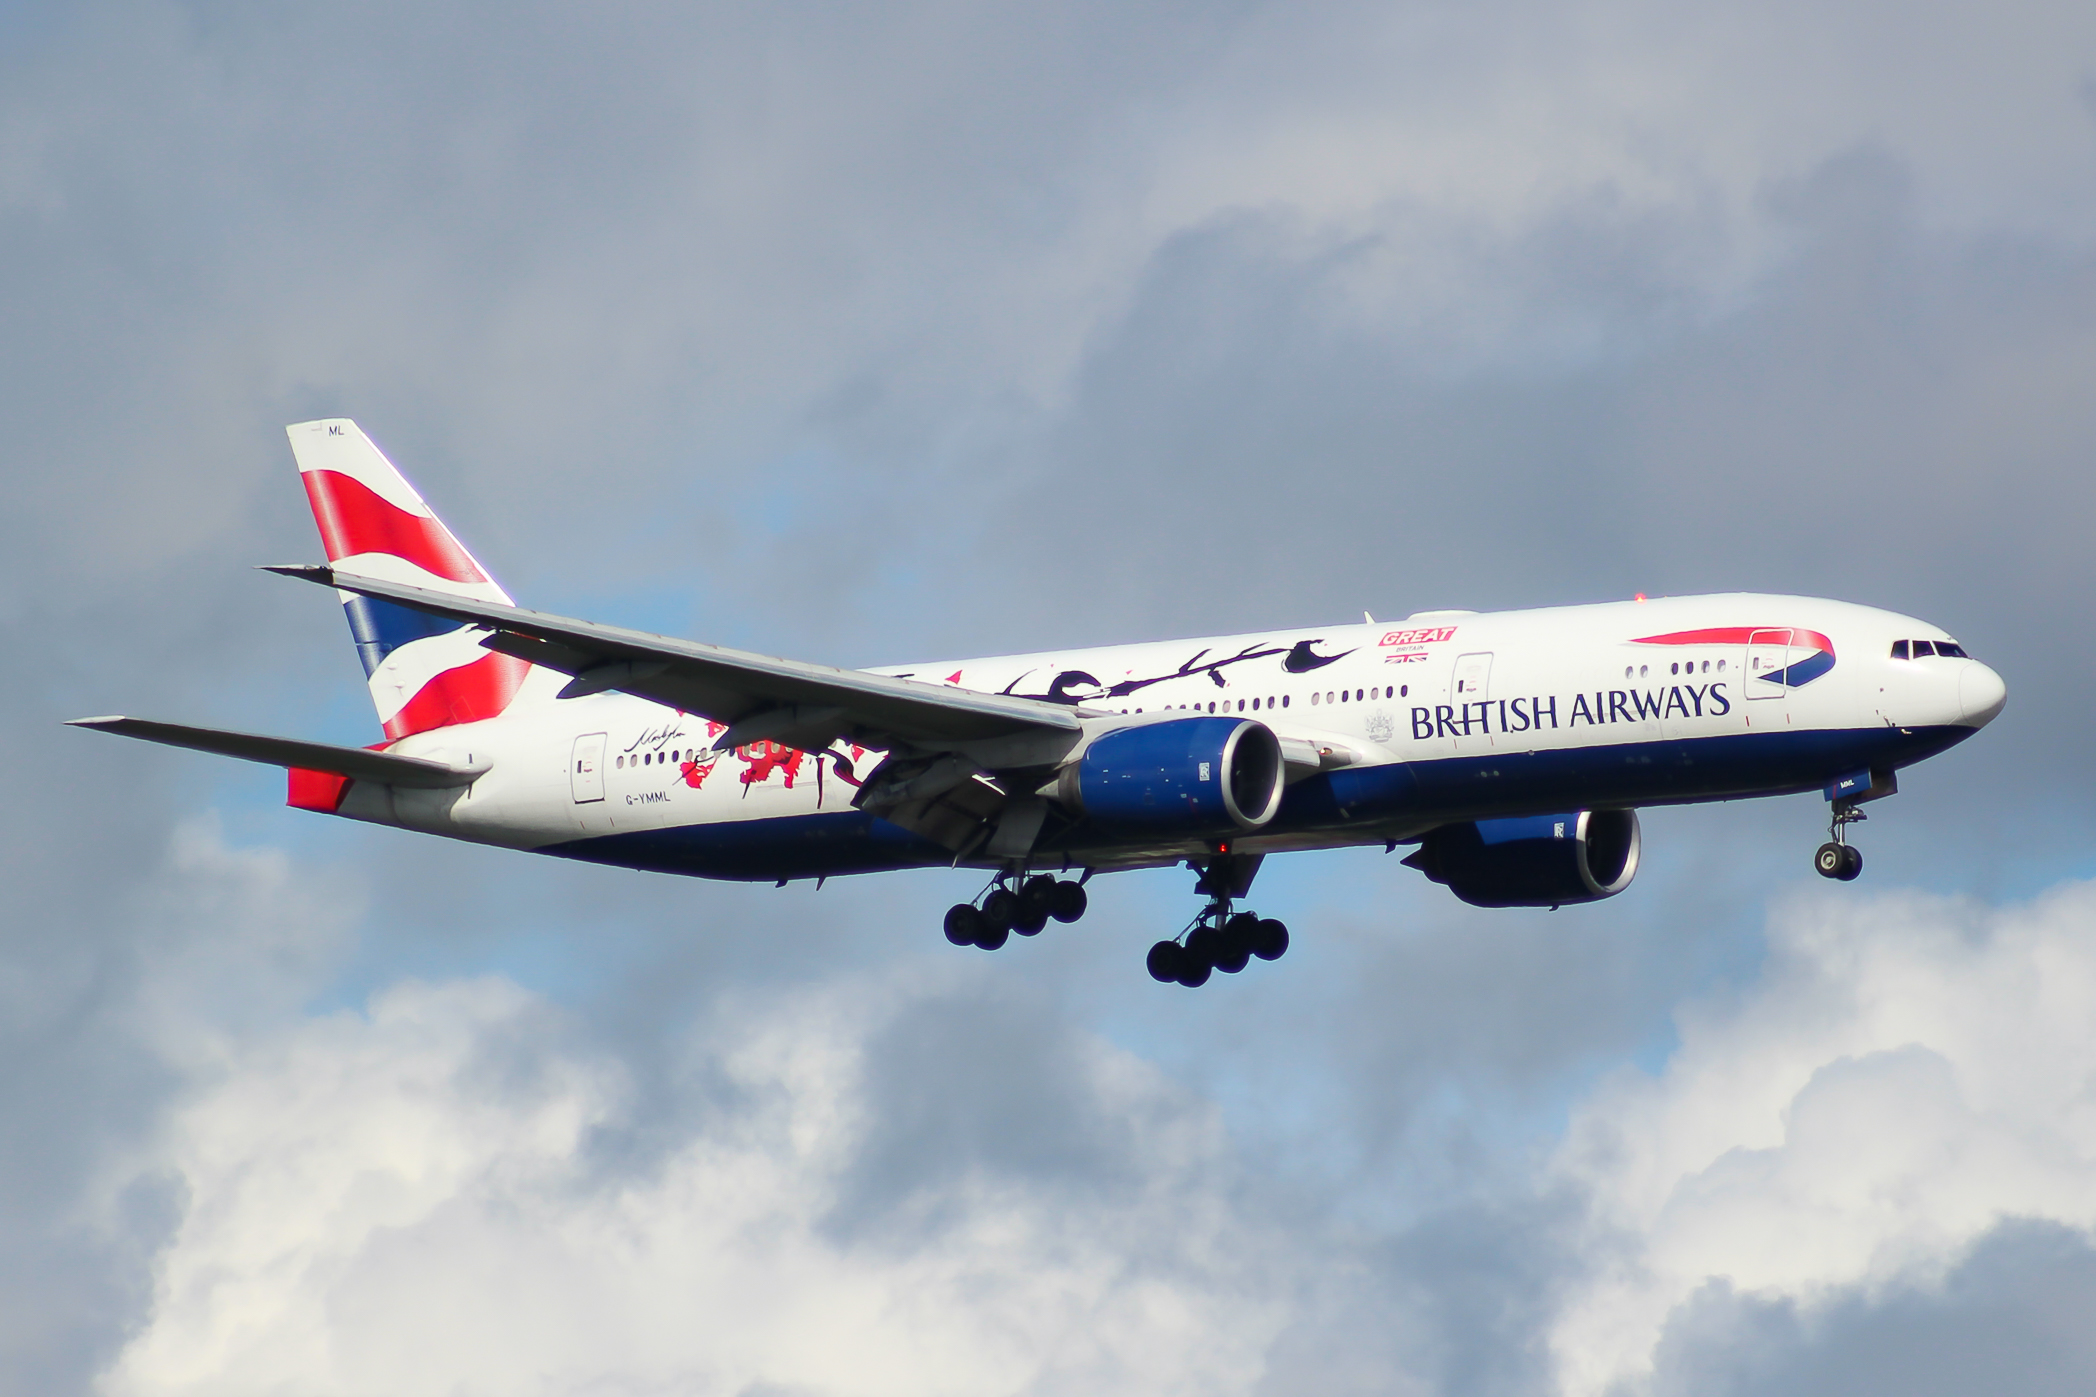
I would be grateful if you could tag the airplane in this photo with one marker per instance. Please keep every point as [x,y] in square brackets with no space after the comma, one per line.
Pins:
[1512,749]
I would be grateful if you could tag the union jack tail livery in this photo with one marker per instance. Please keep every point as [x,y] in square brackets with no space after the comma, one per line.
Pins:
[425,671]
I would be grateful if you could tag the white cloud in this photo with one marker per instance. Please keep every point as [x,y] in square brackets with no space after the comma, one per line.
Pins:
[1906,1074]
[408,1202]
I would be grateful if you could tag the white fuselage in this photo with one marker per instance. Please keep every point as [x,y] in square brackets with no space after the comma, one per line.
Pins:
[1438,717]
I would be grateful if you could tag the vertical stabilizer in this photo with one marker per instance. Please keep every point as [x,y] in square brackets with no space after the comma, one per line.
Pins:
[425,672]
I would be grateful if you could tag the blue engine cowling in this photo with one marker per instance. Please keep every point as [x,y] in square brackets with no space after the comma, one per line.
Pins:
[1534,861]
[1180,776]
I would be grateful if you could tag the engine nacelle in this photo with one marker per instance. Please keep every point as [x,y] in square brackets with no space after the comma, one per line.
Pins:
[1535,860]
[1181,776]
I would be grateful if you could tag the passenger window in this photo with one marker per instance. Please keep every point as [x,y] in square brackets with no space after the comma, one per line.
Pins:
[1313,700]
[1922,648]
[1284,700]
[1899,649]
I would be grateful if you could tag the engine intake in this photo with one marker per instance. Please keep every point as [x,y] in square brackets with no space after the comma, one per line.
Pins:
[1182,776]
[1535,860]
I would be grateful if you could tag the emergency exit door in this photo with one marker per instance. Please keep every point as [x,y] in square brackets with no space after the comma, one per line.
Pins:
[1473,678]
[586,771]
[1768,656]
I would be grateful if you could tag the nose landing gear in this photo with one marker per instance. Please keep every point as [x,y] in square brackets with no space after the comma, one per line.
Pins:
[1219,938]
[1837,858]
[1014,902]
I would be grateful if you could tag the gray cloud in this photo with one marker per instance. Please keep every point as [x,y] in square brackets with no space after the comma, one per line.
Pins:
[2009,1316]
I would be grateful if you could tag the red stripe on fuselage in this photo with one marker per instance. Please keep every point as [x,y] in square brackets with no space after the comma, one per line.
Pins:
[354,520]
[467,694]
[1736,635]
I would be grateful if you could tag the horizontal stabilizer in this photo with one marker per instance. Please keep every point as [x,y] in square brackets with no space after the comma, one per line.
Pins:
[358,763]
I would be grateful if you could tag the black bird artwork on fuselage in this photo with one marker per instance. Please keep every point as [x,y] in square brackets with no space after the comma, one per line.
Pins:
[1302,659]
[1075,686]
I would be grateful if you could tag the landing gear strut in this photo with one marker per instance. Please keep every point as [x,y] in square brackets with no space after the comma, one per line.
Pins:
[1219,937]
[1837,858]
[1014,902]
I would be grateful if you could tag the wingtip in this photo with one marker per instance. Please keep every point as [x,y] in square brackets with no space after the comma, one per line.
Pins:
[102,722]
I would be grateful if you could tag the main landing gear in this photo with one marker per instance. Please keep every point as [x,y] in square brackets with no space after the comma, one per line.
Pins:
[1014,902]
[1837,858]
[1219,938]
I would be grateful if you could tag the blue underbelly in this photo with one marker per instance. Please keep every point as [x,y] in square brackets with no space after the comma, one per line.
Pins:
[1413,795]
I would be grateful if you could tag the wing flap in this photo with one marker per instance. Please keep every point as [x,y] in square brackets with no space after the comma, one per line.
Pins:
[358,763]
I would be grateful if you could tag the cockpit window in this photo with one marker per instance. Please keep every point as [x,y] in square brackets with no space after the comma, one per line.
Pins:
[1952,649]
[1922,648]
[1899,649]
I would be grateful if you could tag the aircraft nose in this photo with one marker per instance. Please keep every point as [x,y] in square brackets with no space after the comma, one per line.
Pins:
[1980,694]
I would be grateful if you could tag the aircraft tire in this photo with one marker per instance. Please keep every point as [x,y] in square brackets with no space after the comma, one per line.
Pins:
[1193,973]
[1032,913]
[1829,860]
[993,936]
[1067,900]
[1270,939]
[1851,863]
[964,925]
[1163,962]
[1002,908]
[1232,949]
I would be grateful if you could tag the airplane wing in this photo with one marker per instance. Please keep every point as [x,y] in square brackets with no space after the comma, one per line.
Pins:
[358,762]
[758,696]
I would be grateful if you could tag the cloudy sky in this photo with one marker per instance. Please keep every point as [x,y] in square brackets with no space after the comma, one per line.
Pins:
[872,333]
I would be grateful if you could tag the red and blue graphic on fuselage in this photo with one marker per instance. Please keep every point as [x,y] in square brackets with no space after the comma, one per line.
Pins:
[1797,668]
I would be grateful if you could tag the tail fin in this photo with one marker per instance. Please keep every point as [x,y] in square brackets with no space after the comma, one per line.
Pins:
[424,672]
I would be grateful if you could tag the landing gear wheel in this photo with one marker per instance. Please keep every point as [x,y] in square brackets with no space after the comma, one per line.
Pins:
[1269,939]
[1193,973]
[1832,859]
[1233,943]
[1163,962]
[1067,900]
[1851,863]
[964,925]
[993,936]
[1032,913]
[1002,909]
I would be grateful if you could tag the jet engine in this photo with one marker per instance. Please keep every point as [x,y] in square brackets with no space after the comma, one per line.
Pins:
[1535,860]
[1181,776]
